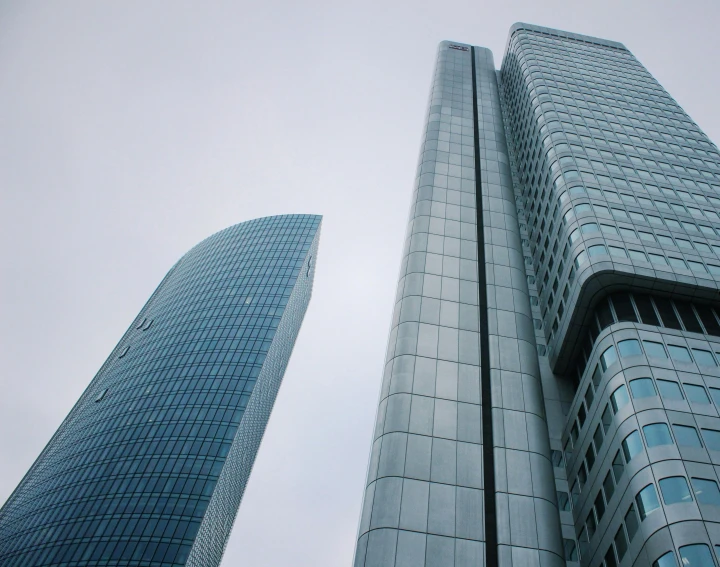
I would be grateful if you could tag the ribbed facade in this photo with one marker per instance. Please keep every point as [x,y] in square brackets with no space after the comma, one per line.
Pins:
[589,423]
[150,466]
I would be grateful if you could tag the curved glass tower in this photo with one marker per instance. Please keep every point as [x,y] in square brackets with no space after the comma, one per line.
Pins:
[150,465]
[551,392]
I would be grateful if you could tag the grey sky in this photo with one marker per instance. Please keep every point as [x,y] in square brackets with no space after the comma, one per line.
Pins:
[131,130]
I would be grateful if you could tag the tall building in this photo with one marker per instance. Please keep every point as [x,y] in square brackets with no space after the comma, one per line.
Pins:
[149,467]
[551,387]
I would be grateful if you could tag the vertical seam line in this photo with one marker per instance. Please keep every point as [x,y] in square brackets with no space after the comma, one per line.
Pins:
[490,522]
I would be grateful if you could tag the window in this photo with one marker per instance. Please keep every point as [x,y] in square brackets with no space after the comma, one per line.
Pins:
[686,436]
[570,549]
[667,560]
[654,349]
[608,357]
[675,490]
[697,555]
[629,347]
[563,501]
[618,467]
[670,390]
[712,439]
[619,398]
[647,501]
[642,388]
[657,434]
[608,486]
[631,446]
[631,522]
[610,558]
[696,394]
[621,543]
[557,459]
[597,250]
[715,393]
[706,491]
[704,357]
[679,353]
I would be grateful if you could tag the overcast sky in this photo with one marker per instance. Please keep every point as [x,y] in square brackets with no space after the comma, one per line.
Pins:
[131,130]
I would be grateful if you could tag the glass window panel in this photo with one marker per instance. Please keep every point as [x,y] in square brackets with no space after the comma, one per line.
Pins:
[623,307]
[610,558]
[646,310]
[675,490]
[631,446]
[619,398]
[708,320]
[570,549]
[670,390]
[608,486]
[654,349]
[704,357]
[696,393]
[712,439]
[706,491]
[687,314]
[563,501]
[629,347]
[631,522]
[667,560]
[647,501]
[667,313]
[687,436]
[642,388]
[657,434]
[618,467]
[715,393]
[599,506]
[604,314]
[621,543]
[679,353]
[696,555]
[608,357]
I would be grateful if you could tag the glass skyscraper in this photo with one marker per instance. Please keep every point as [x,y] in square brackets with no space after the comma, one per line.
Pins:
[551,392]
[149,467]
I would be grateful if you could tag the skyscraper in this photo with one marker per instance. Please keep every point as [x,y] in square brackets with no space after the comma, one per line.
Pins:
[551,391]
[150,465]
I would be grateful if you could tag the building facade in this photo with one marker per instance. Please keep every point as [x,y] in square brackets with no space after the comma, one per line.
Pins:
[551,391]
[150,465]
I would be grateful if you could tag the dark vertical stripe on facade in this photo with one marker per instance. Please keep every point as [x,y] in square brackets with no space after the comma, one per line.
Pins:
[491,543]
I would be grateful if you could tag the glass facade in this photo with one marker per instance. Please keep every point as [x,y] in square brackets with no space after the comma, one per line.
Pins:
[150,465]
[589,422]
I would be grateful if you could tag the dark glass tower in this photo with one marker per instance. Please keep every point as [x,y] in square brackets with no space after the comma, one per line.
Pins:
[150,465]
[551,394]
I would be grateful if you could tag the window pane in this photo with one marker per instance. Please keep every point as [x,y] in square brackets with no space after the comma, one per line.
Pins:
[667,313]
[618,467]
[608,357]
[605,316]
[599,506]
[606,418]
[571,553]
[647,501]
[675,490]
[623,307]
[688,317]
[715,393]
[687,436]
[712,439]
[657,434]
[563,501]
[631,522]
[667,560]
[654,349]
[697,555]
[704,357]
[610,558]
[646,310]
[679,353]
[620,543]
[670,390]
[619,398]
[631,446]
[608,486]
[706,491]
[696,394]
[642,387]
[629,347]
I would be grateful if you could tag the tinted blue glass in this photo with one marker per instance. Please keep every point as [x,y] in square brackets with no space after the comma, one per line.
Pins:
[128,477]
